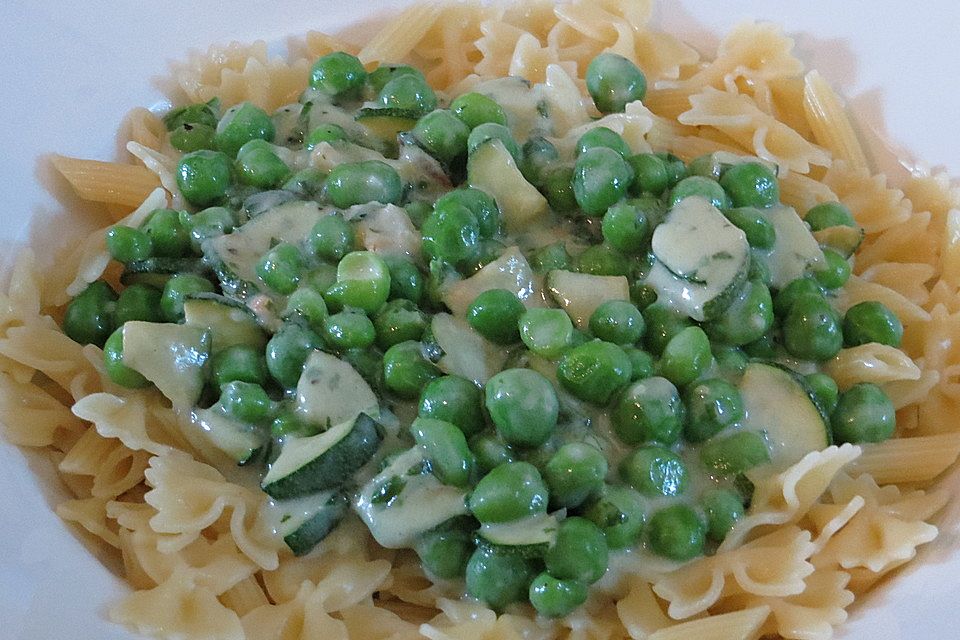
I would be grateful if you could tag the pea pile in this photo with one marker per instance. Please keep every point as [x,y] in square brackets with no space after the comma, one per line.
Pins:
[613,414]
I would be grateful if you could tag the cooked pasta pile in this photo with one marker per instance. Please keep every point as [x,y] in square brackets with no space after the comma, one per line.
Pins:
[196,548]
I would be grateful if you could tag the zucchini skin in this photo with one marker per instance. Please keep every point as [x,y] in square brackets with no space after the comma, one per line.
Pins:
[312,532]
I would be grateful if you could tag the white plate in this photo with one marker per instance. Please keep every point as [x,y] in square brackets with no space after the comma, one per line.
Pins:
[71,70]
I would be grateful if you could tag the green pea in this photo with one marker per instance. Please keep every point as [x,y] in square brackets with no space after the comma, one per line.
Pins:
[723,509]
[331,238]
[480,203]
[259,166]
[239,125]
[198,113]
[677,533]
[287,351]
[835,273]
[398,321]
[766,348]
[579,553]
[731,361]
[494,314]
[759,269]
[475,109]
[281,267]
[553,256]
[705,188]
[686,356]
[192,137]
[751,184]
[138,302]
[348,330]
[712,406]
[603,137]
[239,363]
[641,363]
[795,289]
[169,238]
[445,551]
[553,598]
[617,321]
[177,289]
[651,174]
[601,177]
[871,322]
[245,401]
[676,170]
[446,449]
[574,473]
[824,389]
[510,491]
[209,223]
[89,318]
[523,406]
[455,400]
[204,176]
[614,81]
[483,133]
[452,234]
[747,319]
[338,74]
[368,363]
[734,454]
[595,371]
[308,304]
[353,183]
[655,471]
[126,244]
[602,260]
[760,232]
[405,371]
[499,578]
[625,228]
[642,295]
[490,451]
[829,214]
[546,332]
[864,413]
[363,281]
[539,154]
[406,281]
[663,322]
[326,132]
[649,410]
[708,166]
[408,92]
[287,422]
[442,135]
[811,329]
[557,188]
[387,72]
[619,512]
[118,372]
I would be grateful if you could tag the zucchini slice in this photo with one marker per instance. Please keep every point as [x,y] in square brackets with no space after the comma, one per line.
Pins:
[386,124]
[156,271]
[171,356]
[532,535]
[331,392]
[579,294]
[418,502]
[229,322]
[702,259]
[779,404]
[510,271]
[465,352]
[237,440]
[795,249]
[324,461]
[491,168]
[306,521]
[841,238]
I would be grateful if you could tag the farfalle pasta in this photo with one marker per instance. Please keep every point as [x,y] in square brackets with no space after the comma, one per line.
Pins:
[206,551]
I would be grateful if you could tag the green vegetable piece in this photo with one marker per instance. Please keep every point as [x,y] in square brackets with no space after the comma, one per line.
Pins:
[387,72]
[126,244]
[785,298]
[651,172]
[546,332]
[677,533]
[705,188]
[553,598]
[641,363]
[871,321]
[663,322]
[499,578]
[118,372]
[204,176]
[523,406]
[712,406]
[655,471]
[169,238]
[398,321]
[614,81]
[490,451]
[617,321]
[353,183]
[446,449]
[192,137]
[539,154]
[406,281]
[204,113]
[348,330]
[824,389]
[760,232]
[603,137]
[625,228]
[594,371]
[603,260]
[475,109]
[734,454]
[208,223]
[239,363]
[442,135]
[495,314]
[363,281]
[445,551]
[620,512]
[747,319]
[281,267]
[574,473]
[811,329]
[835,273]
[723,509]
[246,402]
[553,256]
[481,204]
[455,400]
[176,291]
[510,491]
[452,234]
[601,177]
[242,123]
[258,165]
[558,189]
[89,318]
[287,351]
[829,214]
[686,357]
[138,302]
[580,552]
[751,184]
[331,238]
[405,371]
[650,410]
[326,132]
[731,361]
[338,74]
[408,92]
[864,413]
